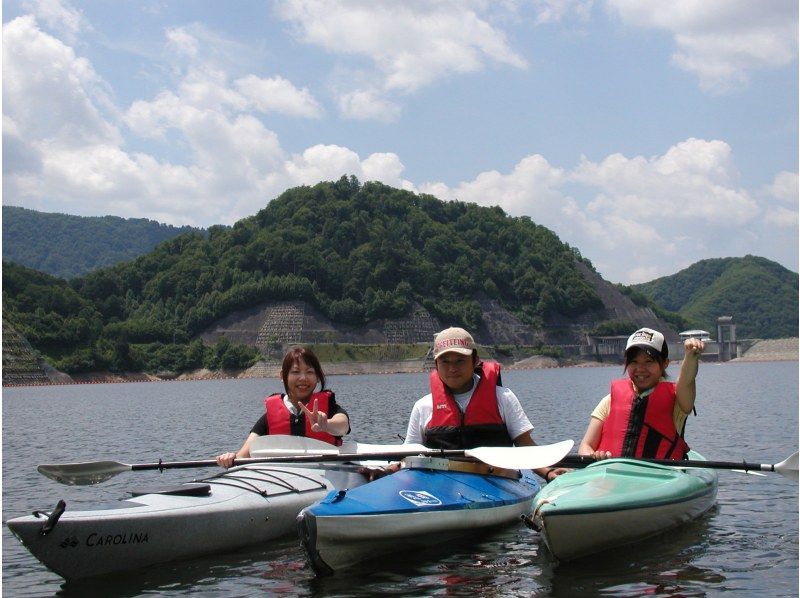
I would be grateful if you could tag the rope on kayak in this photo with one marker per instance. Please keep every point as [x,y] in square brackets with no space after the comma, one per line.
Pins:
[240,479]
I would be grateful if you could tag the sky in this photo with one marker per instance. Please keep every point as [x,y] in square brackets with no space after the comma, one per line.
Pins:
[647,134]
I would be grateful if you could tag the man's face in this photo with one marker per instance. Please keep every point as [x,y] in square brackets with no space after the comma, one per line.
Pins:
[455,370]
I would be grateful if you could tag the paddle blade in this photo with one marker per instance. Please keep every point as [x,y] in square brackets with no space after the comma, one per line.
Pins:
[788,467]
[522,457]
[83,474]
[279,444]
[361,448]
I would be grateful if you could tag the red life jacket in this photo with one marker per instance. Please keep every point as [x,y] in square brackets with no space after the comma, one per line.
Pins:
[279,416]
[481,423]
[643,428]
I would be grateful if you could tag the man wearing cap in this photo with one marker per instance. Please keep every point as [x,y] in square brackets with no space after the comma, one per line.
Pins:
[644,414]
[467,406]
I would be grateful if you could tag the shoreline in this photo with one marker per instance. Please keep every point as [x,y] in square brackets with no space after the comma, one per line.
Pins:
[342,369]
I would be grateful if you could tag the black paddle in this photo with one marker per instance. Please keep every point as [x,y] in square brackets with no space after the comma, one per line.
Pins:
[524,457]
[787,467]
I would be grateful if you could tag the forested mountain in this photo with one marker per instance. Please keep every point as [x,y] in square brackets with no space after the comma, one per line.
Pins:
[68,246]
[355,252]
[359,254]
[760,294]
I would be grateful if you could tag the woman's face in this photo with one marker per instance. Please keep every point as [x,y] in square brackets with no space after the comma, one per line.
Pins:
[301,380]
[455,370]
[644,371]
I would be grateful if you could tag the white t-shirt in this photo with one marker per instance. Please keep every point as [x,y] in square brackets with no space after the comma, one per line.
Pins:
[510,411]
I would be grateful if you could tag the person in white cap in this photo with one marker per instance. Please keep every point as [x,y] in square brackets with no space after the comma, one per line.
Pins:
[468,406]
[644,415]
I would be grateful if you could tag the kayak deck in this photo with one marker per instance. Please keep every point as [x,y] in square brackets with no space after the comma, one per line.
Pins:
[619,501]
[422,504]
[242,506]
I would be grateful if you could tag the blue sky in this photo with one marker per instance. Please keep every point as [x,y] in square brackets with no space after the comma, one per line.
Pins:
[648,134]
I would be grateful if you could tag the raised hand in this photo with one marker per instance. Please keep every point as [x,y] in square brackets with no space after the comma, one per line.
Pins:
[693,346]
[318,419]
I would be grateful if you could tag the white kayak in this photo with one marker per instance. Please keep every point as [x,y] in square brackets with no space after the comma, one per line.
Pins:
[242,506]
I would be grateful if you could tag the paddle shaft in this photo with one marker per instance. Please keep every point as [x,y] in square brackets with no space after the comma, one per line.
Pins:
[527,457]
[382,456]
[583,461]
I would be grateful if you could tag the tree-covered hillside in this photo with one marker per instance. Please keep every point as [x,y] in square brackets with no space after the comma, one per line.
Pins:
[72,334]
[356,252]
[760,294]
[68,246]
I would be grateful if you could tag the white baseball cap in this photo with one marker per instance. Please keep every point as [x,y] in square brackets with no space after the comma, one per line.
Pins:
[649,340]
[453,340]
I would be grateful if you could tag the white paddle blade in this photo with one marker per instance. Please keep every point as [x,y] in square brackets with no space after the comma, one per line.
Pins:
[522,457]
[788,467]
[83,474]
[361,448]
[277,445]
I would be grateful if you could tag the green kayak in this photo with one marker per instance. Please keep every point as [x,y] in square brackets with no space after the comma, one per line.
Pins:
[619,501]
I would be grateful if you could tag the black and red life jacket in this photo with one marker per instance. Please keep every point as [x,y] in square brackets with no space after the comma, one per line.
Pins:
[642,427]
[279,417]
[481,423]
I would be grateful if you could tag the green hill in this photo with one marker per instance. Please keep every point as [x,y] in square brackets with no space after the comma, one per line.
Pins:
[365,258]
[760,294]
[68,246]
[354,252]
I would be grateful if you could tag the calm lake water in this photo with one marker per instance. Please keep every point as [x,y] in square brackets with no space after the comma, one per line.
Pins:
[747,544]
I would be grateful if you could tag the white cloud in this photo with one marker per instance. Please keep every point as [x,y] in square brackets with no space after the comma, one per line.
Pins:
[180,41]
[635,218]
[785,187]
[206,88]
[331,162]
[781,217]
[367,104]
[553,11]
[720,41]
[409,44]
[276,94]
[49,92]
[62,151]
[530,188]
[60,17]
[692,180]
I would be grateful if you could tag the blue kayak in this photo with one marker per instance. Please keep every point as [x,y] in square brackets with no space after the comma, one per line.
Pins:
[429,501]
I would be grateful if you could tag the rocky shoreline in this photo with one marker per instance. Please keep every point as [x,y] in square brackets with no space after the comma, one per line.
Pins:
[767,350]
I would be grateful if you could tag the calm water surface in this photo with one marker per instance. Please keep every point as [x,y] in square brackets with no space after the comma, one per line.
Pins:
[747,545]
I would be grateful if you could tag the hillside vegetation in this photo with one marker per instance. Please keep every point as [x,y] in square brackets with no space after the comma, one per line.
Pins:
[356,252]
[68,246]
[761,295]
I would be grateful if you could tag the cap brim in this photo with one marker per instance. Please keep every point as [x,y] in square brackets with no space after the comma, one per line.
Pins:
[458,350]
[652,352]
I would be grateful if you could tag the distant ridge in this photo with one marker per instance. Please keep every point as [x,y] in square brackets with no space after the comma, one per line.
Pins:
[68,246]
[760,294]
[342,262]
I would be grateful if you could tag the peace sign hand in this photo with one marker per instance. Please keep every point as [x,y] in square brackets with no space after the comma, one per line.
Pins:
[318,419]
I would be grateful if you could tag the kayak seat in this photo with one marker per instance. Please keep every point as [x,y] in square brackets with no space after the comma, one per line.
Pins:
[182,490]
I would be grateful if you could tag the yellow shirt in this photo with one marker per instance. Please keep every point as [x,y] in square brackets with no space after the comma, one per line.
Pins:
[604,408]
